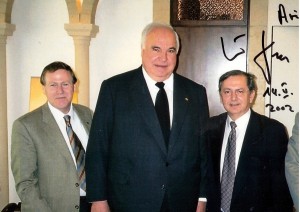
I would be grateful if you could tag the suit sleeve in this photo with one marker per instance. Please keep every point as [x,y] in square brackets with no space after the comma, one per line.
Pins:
[24,169]
[204,115]
[97,148]
[292,163]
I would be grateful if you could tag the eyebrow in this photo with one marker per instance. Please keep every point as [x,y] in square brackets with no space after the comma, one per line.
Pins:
[233,89]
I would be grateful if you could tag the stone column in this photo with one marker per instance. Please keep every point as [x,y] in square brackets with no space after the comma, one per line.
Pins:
[5,30]
[82,34]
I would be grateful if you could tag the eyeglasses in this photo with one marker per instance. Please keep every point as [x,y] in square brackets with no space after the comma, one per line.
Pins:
[238,92]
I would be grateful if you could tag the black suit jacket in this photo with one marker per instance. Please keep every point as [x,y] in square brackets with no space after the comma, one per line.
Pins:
[260,183]
[127,161]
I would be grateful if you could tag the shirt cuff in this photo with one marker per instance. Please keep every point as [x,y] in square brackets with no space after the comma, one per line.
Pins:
[202,199]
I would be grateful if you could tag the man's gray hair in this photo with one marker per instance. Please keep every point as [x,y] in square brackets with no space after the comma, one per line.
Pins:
[153,26]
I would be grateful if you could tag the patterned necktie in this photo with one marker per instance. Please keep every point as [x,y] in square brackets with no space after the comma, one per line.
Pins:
[78,152]
[162,111]
[228,172]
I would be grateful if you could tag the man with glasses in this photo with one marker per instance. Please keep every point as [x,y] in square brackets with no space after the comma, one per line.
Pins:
[246,152]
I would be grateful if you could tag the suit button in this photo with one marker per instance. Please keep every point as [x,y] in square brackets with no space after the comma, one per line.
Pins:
[77,207]
[167,164]
[76,184]
[163,187]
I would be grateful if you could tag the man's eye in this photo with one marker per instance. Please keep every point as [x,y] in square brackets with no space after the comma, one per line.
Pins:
[156,49]
[172,50]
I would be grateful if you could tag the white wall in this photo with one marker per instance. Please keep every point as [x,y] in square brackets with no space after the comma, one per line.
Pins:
[116,48]
[286,43]
[40,39]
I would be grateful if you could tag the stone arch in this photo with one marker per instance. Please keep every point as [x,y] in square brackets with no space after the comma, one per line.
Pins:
[5,10]
[74,10]
[82,13]
[88,11]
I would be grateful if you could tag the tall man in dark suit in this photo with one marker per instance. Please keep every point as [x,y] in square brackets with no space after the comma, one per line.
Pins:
[132,165]
[42,159]
[258,181]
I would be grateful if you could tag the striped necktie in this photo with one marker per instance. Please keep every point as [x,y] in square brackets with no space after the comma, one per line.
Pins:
[228,172]
[78,152]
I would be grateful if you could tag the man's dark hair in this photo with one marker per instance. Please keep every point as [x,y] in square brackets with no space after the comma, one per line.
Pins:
[250,78]
[52,67]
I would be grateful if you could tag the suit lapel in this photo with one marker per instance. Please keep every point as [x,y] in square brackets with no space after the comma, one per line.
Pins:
[84,118]
[251,140]
[181,99]
[53,133]
[139,93]
[215,143]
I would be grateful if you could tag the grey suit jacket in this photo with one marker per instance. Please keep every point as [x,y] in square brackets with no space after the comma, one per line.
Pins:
[127,161]
[292,163]
[42,165]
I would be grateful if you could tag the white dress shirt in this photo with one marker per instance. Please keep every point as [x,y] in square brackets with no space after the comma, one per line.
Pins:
[77,127]
[241,124]
[153,89]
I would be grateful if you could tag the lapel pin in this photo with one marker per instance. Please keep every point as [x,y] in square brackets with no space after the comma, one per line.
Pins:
[186,99]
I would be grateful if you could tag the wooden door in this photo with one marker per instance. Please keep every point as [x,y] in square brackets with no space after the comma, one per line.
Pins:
[210,48]
[203,58]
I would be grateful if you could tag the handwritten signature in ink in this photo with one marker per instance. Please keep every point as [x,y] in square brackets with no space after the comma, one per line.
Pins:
[267,73]
[283,16]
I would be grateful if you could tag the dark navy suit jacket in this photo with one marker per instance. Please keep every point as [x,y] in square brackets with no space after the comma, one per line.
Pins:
[127,162]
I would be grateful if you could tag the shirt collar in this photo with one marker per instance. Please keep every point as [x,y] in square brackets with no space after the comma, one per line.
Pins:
[241,121]
[57,113]
[150,82]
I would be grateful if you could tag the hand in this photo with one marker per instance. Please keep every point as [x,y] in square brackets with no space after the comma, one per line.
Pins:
[201,207]
[100,206]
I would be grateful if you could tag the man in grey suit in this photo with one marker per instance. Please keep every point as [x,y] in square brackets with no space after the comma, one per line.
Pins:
[292,163]
[42,159]
[132,163]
